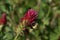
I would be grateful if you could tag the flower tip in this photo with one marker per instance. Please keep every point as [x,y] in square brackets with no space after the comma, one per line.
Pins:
[3,15]
[30,16]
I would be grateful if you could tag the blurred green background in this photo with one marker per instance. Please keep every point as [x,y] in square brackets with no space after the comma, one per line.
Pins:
[48,19]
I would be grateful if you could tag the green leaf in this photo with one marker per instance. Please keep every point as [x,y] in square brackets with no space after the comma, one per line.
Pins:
[8,36]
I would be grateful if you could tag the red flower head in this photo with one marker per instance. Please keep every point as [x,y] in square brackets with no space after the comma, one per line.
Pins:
[3,19]
[30,16]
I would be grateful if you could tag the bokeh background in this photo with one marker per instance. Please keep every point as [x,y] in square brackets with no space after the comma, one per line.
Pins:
[48,21]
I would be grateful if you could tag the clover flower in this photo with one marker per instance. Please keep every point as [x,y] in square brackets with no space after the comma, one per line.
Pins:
[3,19]
[30,17]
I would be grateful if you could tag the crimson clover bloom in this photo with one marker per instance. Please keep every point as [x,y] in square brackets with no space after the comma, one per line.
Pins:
[3,19]
[28,19]
[30,16]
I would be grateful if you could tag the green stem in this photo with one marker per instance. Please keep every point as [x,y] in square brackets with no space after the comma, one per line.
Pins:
[48,12]
[16,36]
[59,24]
